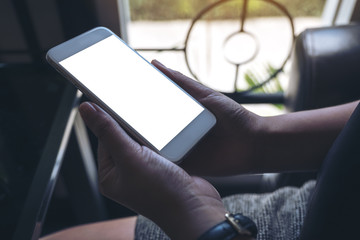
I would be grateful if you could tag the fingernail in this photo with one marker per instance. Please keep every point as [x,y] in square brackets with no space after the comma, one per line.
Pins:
[87,107]
[158,63]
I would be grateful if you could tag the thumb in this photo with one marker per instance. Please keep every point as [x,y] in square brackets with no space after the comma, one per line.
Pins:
[194,88]
[108,131]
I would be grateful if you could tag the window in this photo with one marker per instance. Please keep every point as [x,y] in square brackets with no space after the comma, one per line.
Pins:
[213,50]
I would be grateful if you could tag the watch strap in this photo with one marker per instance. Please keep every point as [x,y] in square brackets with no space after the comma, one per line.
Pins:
[234,225]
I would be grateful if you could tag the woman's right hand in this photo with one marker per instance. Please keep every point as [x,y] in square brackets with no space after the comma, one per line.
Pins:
[230,147]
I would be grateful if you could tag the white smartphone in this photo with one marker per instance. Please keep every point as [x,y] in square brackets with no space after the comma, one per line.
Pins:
[151,107]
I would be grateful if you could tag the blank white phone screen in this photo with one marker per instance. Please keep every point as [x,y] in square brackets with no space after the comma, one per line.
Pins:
[132,88]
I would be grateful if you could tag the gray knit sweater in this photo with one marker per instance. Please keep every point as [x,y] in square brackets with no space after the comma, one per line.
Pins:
[278,215]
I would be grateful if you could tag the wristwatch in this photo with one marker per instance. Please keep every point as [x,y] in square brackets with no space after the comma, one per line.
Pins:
[235,225]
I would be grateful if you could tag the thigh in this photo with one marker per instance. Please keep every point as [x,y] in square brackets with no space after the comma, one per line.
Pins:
[120,229]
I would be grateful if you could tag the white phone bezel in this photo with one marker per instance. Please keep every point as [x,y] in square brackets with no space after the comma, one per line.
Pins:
[180,145]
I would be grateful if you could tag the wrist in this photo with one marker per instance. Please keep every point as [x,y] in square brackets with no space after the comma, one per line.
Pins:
[191,224]
[204,219]
[255,139]
[193,213]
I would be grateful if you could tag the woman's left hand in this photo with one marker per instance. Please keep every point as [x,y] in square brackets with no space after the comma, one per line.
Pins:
[140,179]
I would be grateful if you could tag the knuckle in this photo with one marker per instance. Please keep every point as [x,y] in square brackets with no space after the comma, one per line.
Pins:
[104,127]
[108,191]
[178,75]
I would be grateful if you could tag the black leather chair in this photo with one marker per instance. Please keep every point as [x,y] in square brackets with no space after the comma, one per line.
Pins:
[325,68]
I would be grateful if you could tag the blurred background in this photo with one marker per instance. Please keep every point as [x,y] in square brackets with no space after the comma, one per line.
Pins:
[165,25]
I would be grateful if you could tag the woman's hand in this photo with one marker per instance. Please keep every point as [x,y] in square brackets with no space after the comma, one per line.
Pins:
[140,179]
[230,148]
